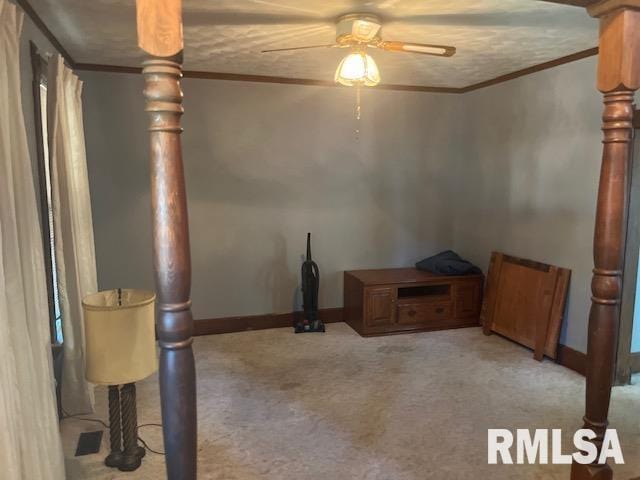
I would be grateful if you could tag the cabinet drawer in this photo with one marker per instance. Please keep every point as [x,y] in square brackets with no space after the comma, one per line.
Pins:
[421,313]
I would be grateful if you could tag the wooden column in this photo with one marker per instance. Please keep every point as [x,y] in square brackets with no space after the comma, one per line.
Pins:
[618,78]
[160,34]
[172,266]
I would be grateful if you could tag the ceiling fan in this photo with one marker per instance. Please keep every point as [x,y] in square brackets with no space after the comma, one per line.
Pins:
[359,31]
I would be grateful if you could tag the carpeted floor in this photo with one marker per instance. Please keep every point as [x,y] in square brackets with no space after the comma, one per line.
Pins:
[274,405]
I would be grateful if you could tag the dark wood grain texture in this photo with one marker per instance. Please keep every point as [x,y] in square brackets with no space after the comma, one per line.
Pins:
[397,300]
[607,274]
[618,78]
[172,267]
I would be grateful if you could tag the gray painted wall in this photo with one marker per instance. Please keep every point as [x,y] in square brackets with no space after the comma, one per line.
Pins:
[513,167]
[528,177]
[265,164]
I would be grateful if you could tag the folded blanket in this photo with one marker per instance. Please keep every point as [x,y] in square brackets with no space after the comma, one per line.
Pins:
[447,263]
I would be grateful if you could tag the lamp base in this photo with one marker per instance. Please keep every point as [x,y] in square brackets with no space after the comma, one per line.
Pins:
[130,463]
[133,453]
[123,421]
[113,460]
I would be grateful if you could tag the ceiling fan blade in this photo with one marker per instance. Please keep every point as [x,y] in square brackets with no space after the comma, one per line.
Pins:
[331,45]
[425,49]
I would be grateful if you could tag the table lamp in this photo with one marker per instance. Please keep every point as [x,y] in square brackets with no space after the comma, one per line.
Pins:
[121,350]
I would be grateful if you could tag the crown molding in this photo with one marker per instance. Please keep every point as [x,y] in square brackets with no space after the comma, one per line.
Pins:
[533,69]
[241,77]
[573,3]
[238,77]
[35,18]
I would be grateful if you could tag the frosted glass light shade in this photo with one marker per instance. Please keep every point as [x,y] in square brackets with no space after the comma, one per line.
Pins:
[358,68]
[120,336]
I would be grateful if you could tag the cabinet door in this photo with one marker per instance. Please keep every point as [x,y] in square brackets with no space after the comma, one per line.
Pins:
[467,297]
[380,305]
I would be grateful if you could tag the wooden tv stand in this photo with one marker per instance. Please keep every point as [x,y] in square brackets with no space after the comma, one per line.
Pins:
[397,300]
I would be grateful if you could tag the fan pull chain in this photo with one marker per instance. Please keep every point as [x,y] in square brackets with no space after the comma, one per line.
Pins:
[358,111]
[358,102]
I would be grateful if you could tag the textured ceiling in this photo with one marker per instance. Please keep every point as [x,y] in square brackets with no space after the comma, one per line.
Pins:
[493,37]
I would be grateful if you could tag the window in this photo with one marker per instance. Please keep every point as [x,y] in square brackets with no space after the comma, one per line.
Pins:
[46,206]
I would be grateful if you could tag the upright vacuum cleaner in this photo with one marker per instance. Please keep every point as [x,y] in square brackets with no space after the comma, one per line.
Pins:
[310,286]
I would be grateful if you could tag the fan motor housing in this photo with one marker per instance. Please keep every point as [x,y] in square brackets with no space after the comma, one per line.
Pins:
[358,28]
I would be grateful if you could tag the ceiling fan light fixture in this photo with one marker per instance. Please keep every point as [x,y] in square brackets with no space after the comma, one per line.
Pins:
[358,68]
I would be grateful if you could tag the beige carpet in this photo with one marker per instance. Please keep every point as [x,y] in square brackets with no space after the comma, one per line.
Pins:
[274,405]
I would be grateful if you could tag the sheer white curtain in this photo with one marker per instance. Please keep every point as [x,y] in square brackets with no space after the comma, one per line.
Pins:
[73,226]
[30,446]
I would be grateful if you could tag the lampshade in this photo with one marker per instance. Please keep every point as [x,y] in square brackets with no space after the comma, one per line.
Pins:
[120,336]
[358,68]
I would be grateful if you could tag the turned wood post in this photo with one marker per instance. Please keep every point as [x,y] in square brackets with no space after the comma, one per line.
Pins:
[618,78]
[172,266]
[159,24]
